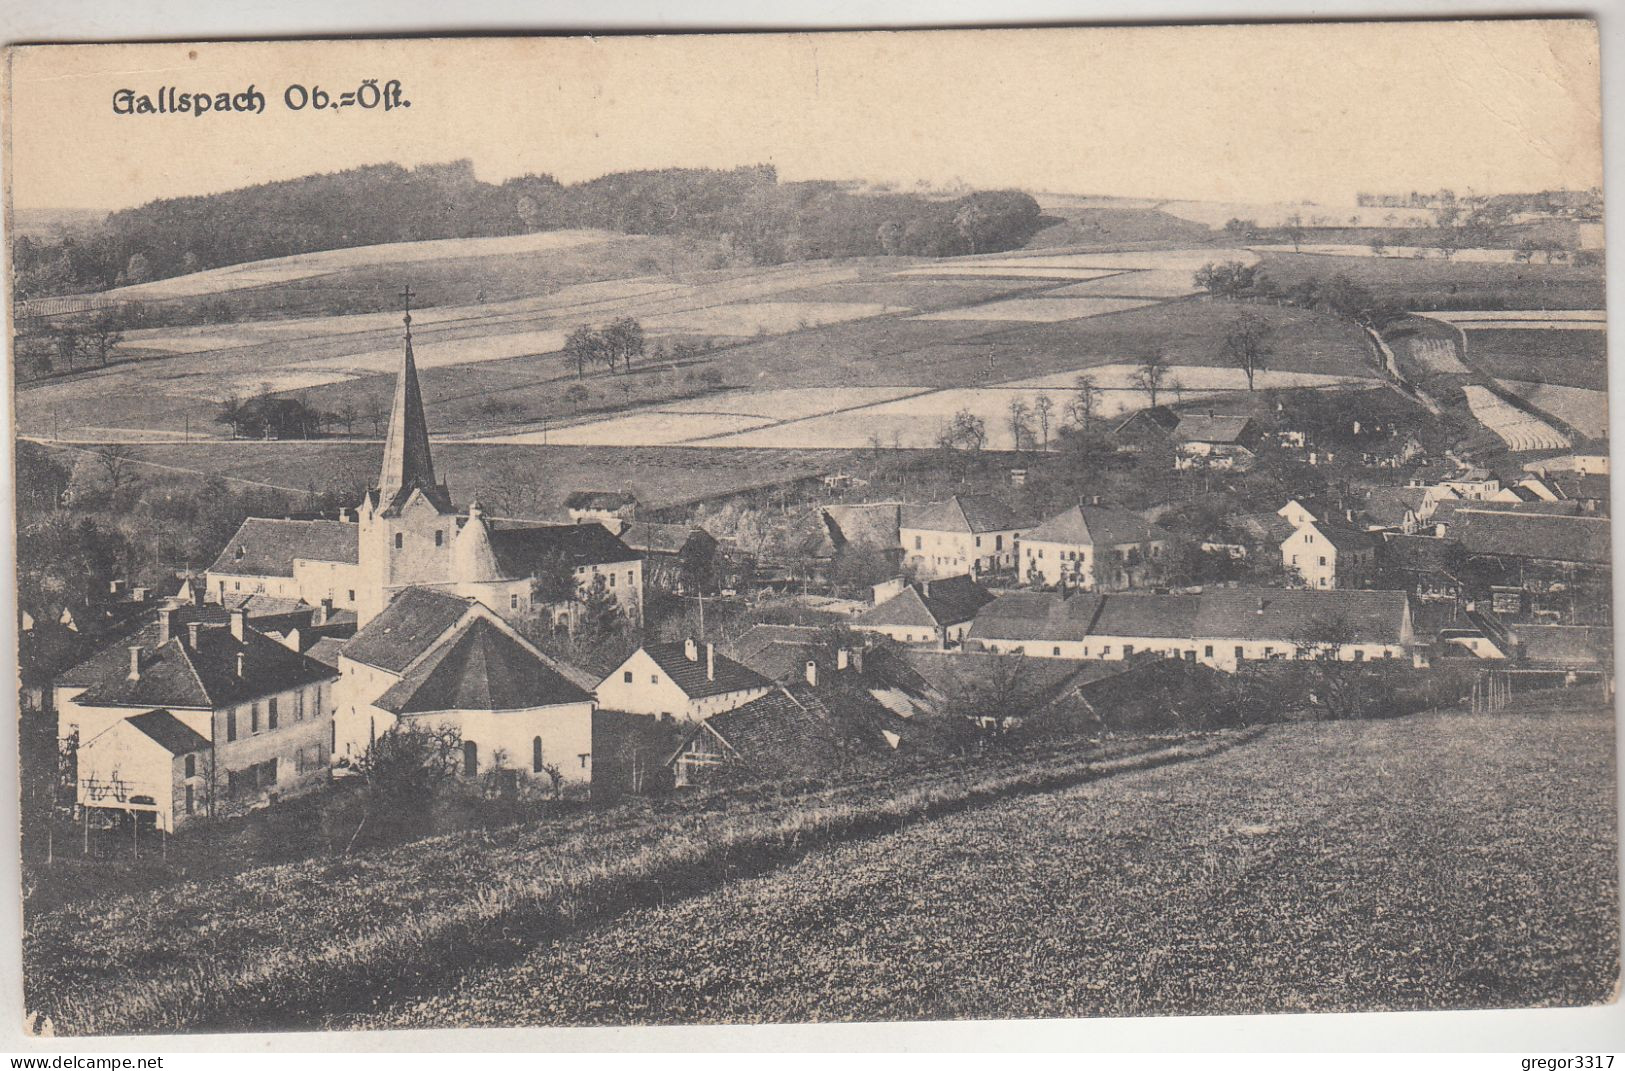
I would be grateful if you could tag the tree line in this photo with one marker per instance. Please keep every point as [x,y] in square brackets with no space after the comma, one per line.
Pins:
[754,218]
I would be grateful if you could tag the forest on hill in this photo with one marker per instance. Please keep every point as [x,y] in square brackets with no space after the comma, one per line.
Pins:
[747,211]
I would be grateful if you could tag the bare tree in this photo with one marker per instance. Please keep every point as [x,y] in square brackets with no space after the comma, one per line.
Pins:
[116,461]
[1020,422]
[376,412]
[1293,227]
[1247,343]
[1150,374]
[102,337]
[347,415]
[1084,405]
[1043,406]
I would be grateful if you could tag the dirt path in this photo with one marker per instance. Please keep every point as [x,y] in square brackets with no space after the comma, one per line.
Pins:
[1441,861]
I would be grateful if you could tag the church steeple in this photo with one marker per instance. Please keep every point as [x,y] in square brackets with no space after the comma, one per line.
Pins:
[406,448]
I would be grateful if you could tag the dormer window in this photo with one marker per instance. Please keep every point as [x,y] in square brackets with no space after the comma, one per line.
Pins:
[241,551]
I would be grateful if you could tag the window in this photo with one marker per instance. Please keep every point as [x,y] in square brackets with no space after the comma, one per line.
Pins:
[513,602]
[299,705]
[917,543]
[241,550]
[398,541]
[231,724]
[1128,650]
[191,799]
[253,718]
[1239,654]
[439,537]
[1106,651]
[1057,652]
[978,542]
[654,678]
[611,579]
[1359,656]
[536,755]
[629,575]
[1207,651]
[471,759]
[236,585]
[191,766]
[1269,652]
[270,713]
[1323,559]
[627,677]
[998,542]
[352,595]
[584,757]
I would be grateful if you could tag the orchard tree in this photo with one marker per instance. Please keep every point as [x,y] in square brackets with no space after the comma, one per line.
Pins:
[1247,343]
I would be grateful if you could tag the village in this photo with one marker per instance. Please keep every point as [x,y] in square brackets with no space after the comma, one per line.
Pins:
[316,650]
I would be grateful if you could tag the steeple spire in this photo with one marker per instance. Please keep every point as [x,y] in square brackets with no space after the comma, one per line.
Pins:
[406,448]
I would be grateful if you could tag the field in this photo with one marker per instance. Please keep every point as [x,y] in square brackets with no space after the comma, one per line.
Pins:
[1518,429]
[1436,862]
[1441,284]
[1585,410]
[1566,358]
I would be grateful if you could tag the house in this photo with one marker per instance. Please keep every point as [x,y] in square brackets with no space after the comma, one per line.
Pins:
[972,534]
[1582,464]
[1396,509]
[1328,555]
[295,560]
[1204,440]
[1130,625]
[675,556]
[1093,547]
[149,763]
[1039,624]
[1238,625]
[1431,568]
[405,533]
[612,509]
[1472,484]
[264,712]
[1564,542]
[1146,427]
[680,679]
[435,660]
[932,611]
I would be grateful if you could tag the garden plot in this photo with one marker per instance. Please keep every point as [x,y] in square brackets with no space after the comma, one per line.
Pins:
[1039,309]
[767,317]
[1517,429]
[1436,355]
[1585,410]
[306,265]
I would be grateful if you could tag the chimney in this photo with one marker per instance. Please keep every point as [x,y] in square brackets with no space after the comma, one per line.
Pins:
[710,661]
[199,589]
[192,629]
[812,673]
[166,624]
[138,595]
[323,612]
[115,587]
[241,659]
[843,658]
[239,623]
[135,663]
[690,651]
[1261,604]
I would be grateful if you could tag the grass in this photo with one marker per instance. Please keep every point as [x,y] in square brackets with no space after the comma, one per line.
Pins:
[1442,284]
[283,946]
[1566,358]
[1440,861]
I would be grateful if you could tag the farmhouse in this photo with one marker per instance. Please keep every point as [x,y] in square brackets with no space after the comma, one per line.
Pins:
[677,556]
[434,660]
[1039,624]
[931,611]
[972,534]
[1237,625]
[1327,555]
[1093,547]
[263,712]
[1203,440]
[1146,427]
[681,680]
[308,561]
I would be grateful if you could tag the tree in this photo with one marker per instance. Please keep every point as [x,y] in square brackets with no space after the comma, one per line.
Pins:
[1043,406]
[347,415]
[621,341]
[138,270]
[970,219]
[1292,228]
[1150,374]
[1343,688]
[1084,404]
[405,767]
[376,411]
[1247,343]
[582,347]
[1020,423]
[965,431]
[994,696]
[116,461]
[552,582]
[101,338]
[890,236]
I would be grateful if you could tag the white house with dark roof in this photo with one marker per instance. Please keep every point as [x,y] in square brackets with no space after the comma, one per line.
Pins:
[967,534]
[1327,555]
[150,763]
[435,660]
[1089,547]
[1204,440]
[930,611]
[682,679]
[297,560]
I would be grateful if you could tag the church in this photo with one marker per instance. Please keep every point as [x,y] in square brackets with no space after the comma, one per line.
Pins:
[406,533]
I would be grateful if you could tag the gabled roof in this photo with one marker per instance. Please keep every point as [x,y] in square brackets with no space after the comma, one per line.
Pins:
[1148,616]
[114,657]
[267,547]
[1292,615]
[524,551]
[1090,526]
[1267,527]
[1581,540]
[480,667]
[1159,417]
[786,731]
[169,732]
[875,523]
[650,537]
[258,605]
[1343,537]
[407,627]
[961,513]
[1202,428]
[1035,615]
[1388,505]
[691,677]
[177,676]
[932,604]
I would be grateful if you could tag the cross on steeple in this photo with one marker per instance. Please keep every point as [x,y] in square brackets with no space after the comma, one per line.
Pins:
[406,303]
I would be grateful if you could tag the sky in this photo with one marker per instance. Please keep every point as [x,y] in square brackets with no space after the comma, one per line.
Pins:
[1226,113]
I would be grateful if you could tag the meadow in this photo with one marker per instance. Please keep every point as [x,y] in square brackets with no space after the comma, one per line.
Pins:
[282,946]
[1438,861]
[1565,358]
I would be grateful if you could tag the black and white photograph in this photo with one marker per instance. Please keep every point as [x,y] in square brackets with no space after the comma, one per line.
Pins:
[825,527]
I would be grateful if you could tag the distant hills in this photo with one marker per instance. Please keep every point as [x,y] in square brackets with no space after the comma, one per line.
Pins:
[749,215]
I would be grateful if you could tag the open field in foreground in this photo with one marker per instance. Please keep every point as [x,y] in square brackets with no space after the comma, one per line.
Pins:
[1444,861]
[284,946]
